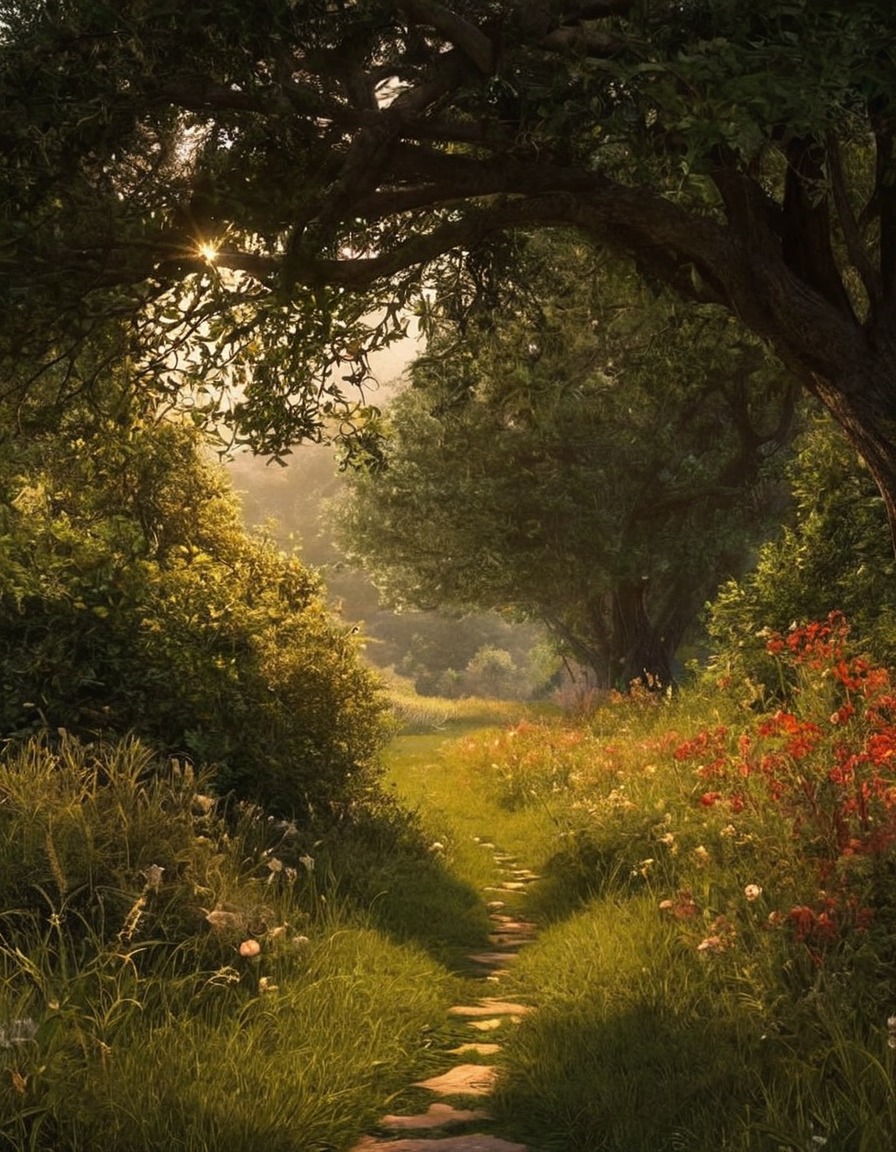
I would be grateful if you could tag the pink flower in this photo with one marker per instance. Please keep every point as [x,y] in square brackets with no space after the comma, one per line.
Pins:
[250,948]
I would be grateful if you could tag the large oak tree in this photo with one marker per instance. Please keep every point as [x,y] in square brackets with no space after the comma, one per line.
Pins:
[597,458]
[341,153]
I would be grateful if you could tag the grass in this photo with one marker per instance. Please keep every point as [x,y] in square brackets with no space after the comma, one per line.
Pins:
[715,970]
[162,985]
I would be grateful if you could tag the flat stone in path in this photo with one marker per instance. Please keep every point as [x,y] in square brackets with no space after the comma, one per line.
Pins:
[436,1116]
[494,905]
[464,1080]
[473,1048]
[490,1025]
[474,1142]
[490,1007]
[508,924]
[493,959]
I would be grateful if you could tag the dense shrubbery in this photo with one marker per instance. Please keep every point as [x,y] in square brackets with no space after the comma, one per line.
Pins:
[837,556]
[131,599]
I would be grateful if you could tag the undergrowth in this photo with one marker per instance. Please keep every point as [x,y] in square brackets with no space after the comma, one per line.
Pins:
[717,962]
[176,975]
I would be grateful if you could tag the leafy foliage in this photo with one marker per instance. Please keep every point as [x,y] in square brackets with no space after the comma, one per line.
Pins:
[342,159]
[833,557]
[133,600]
[587,456]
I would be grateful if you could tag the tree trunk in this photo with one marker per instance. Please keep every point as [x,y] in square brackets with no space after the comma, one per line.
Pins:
[641,654]
[865,408]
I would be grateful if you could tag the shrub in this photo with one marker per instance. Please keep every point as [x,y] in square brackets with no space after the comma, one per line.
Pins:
[131,599]
[836,556]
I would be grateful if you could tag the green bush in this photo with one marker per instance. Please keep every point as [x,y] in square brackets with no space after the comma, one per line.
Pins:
[836,556]
[132,600]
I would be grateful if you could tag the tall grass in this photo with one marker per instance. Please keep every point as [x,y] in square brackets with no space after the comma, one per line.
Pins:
[717,964]
[168,981]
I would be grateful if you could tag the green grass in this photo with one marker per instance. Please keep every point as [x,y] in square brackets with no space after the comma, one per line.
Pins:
[681,1007]
[460,809]
[137,1022]
[674,1014]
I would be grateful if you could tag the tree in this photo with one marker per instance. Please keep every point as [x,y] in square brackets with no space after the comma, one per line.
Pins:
[344,155]
[590,459]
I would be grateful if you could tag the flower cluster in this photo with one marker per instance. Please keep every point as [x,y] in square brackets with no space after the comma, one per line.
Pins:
[825,765]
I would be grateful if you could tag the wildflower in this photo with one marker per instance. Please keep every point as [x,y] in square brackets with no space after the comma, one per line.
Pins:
[753,891]
[307,862]
[891,1031]
[701,856]
[153,876]
[265,984]
[710,798]
[728,830]
[682,908]
[222,920]
[276,867]
[299,941]
[668,838]
[250,948]
[437,846]
[712,944]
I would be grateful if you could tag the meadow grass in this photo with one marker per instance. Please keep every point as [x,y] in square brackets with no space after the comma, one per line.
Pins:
[716,967]
[715,970]
[173,979]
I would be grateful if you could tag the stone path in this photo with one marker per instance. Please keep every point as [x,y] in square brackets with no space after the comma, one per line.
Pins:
[467,1083]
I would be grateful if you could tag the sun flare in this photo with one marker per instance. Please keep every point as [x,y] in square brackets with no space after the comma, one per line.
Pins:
[208,251]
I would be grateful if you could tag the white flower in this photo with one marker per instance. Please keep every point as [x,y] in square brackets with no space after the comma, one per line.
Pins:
[307,863]
[153,875]
[753,891]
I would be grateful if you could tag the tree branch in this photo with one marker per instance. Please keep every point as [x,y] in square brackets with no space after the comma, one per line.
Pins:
[456,30]
[856,250]
[806,242]
[581,40]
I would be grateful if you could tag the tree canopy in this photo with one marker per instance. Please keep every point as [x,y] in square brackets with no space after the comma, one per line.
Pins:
[341,157]
[592,458]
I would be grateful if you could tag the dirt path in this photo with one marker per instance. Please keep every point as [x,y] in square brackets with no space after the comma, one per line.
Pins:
[454,1122]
